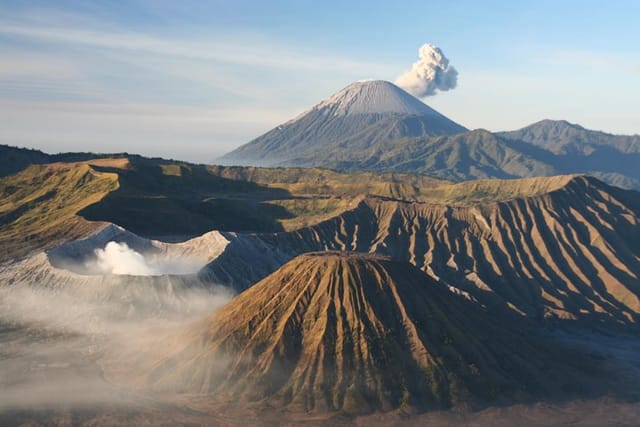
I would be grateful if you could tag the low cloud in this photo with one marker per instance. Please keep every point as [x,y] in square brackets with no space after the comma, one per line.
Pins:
[430,74]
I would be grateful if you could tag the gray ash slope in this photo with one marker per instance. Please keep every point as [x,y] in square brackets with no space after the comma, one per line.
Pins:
[361,116]
[376,126]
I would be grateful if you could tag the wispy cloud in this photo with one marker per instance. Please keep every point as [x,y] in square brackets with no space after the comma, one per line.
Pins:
[249,52]
[612,62]
[92,82]
[35,65]
[46,76]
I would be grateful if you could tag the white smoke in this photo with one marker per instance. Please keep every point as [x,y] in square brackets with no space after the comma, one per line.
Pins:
[429,74]
[119,258]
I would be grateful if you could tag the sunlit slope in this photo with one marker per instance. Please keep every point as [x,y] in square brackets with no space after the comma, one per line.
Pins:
[39,206]
[348,332]
[570,249]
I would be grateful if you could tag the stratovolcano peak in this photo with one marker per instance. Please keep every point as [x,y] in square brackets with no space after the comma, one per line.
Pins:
[374,97]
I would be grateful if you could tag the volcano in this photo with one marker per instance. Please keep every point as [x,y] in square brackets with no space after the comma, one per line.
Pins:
[362,115]
[336,331]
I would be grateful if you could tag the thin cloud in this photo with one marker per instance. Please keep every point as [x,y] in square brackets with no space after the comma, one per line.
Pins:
[24,65]
[244,53]
[193,96]
[588,60]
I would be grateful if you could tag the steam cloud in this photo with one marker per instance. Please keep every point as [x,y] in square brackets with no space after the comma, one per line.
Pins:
[431,73]
[119,258]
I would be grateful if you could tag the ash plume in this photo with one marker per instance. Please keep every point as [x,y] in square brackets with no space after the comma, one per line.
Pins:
[429,74]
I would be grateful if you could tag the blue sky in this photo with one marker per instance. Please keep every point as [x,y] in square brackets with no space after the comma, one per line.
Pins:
[192,80]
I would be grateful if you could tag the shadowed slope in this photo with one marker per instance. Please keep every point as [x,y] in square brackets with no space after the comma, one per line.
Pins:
[177,200]
[14,159]
[351,332]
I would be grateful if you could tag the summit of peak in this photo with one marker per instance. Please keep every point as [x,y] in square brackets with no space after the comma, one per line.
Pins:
[374,97]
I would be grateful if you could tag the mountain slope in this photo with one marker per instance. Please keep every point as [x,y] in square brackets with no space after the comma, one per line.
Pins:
[375,126]
[374,97]
[562,137]
[470,155]
[354,333]
[570,148]
[371,111]
[38,206]
[547,248]
[543,149]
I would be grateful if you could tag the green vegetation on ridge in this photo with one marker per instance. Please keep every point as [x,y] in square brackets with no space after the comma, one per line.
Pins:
[38,206]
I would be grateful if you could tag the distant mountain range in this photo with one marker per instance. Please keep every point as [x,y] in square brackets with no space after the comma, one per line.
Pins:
[377,126]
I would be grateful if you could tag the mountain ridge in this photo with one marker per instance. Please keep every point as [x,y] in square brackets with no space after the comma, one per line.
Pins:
[479,154]
[566,137]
